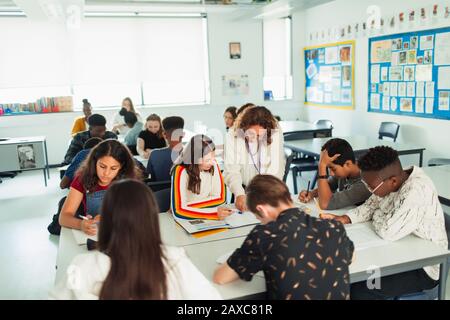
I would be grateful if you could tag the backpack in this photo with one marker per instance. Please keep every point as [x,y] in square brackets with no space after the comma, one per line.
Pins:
[54,227]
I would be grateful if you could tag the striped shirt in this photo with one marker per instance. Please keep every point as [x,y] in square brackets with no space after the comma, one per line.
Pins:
[188,205]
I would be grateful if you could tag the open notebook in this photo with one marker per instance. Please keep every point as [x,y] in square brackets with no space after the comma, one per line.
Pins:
[81,237]
[363,236]
[235,220]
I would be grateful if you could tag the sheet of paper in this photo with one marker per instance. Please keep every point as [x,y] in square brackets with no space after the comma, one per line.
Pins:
[444,78]
[424,72]
[420,105]
[331,55]
[402,89]
[381,51]
[396,73]
[375,101]
[394,89]
[363,236]
[241,219]
[429,90]
[394,104]
[406,105]
[198,225]
[426,42]
[384,74]
[409,73]
[429,106]
[442,49]
[444,100]
[386,89]
[81,237]
[386,103]
[346,95]
[411,89]
[375,73]
[420,89]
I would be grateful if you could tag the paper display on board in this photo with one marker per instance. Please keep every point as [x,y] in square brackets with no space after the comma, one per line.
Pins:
[426,42]
[386,103]
[346,76]
[327,97]
[424,72]
[402,89]
[384,74]
[396,73]
[420,89]
[394,89]
[375,74]
[420,105]
[345,54]
[442,49]
[411,89]
[325,74]
[444,78]
[381,51]
[444,101]
[375,101]
[331,55]
[311,71]
[406,104]
[429,90]
[395,58]
[409,73]
[235,85]
[393,104]
[386,89]
[346,95]
[429,105]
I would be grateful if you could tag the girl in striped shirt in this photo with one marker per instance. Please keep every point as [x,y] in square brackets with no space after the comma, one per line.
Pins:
[198,189]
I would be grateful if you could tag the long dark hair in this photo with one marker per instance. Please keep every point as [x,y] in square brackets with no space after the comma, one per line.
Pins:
[112,148]
[129,234]
[199,146]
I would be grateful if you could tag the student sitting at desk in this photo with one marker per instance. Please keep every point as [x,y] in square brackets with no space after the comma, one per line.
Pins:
[302,257]
[119,125]
[80,123]
[197,184]
[76,162]
[151,137]
[131,262]
[403,202]
[161,160]
[108,161]
[97,128]
[345,187]
[135,127]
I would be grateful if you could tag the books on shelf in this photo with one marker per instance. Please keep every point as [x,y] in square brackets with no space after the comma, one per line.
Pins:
[42,105]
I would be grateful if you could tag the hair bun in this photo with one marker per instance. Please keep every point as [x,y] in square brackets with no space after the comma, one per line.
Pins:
[85,101]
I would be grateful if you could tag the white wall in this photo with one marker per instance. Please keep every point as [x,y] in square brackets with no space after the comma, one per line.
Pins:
[430,133]
[221,31]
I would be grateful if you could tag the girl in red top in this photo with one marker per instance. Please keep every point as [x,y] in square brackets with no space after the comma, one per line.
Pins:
[108,161]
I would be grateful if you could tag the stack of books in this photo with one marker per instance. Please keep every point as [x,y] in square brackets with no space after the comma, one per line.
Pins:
[42,105]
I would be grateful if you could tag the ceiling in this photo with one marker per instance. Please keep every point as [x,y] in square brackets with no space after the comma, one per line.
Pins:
[239,9]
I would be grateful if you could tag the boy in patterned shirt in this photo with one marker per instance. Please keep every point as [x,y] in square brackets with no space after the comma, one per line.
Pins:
[302,257]
[403,202]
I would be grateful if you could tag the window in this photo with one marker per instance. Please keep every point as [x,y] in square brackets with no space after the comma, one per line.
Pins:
[153,60]
[277,58]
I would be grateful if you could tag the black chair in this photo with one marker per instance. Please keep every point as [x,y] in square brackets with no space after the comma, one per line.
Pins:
[438,162]
[158,185]
[388,129]
[163,199]
[297,166]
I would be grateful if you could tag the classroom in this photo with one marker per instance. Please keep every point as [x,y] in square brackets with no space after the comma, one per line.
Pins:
[201,150]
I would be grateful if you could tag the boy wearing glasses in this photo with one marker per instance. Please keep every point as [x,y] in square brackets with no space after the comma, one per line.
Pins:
[402,202]
[345,187]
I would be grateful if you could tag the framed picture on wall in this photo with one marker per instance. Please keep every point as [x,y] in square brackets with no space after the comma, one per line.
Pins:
[235,50]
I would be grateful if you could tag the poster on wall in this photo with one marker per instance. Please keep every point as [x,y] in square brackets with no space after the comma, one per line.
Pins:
[409,73]
[235,85]
[26,155]
[329,75]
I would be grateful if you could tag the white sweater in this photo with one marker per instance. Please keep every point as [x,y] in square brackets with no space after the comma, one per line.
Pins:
[239,167]
[184,281]
[414,208]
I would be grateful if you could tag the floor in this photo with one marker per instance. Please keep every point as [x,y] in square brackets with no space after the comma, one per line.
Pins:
[28,254]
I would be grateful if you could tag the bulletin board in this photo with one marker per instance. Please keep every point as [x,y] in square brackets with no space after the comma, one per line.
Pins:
[409,74]
[330,74]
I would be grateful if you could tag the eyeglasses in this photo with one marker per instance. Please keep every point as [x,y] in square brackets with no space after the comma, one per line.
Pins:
[374,189]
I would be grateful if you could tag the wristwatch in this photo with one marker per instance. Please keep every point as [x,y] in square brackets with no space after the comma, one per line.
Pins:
[322,177]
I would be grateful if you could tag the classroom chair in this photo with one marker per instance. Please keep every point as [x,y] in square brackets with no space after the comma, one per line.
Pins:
[297,166]
[438,162]
[388,129]
[431,294]
[163,199]
[158,185]
[323,123]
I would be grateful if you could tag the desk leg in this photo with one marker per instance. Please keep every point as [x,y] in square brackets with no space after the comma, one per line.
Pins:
[46,159]
[443,271]
[421,158]
[45,177]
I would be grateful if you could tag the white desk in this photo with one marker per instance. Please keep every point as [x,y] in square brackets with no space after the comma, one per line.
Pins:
[37,149]
[403,255]
[304,127]
[360,144]
[440,175]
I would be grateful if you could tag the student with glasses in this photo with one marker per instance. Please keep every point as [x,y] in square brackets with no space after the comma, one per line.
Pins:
[403,202]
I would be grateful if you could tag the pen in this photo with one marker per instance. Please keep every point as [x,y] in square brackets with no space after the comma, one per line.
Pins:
[307,190]
[83,217]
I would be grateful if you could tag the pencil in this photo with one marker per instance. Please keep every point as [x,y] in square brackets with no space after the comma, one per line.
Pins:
[307,190]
